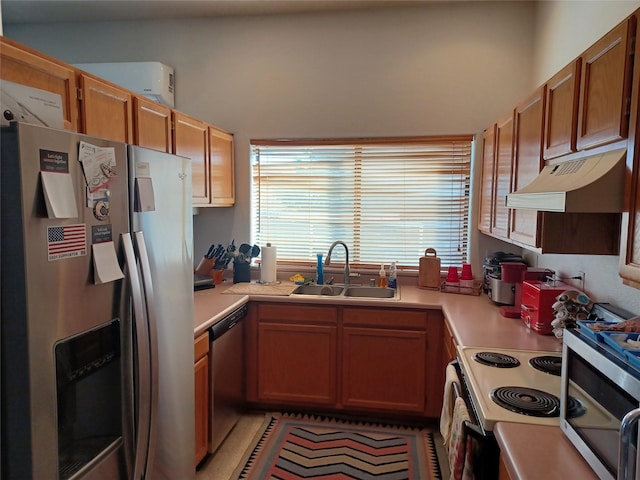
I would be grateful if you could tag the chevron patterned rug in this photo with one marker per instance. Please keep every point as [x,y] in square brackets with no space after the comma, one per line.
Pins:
[292,447]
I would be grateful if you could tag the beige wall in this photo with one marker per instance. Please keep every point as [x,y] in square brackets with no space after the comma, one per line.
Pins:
[443,68]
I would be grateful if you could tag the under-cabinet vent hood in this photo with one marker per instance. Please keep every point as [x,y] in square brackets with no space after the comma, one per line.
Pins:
[592,184]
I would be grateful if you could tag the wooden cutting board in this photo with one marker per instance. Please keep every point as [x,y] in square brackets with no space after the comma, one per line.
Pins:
[262,289]
[429,270]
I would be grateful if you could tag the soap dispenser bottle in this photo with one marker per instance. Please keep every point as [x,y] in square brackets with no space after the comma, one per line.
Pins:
[319,271]
[393,275]
[382,277]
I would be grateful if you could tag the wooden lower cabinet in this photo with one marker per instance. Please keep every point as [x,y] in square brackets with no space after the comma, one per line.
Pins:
[201,380]
[295,354]
[503,473]
[384,369]
[449,344]
[384,361]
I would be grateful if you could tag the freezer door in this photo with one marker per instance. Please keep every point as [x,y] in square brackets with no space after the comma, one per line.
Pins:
[161,208]
[50,294]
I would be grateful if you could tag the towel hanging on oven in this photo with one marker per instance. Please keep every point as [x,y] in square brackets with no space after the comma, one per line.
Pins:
[451,377]
[462,447]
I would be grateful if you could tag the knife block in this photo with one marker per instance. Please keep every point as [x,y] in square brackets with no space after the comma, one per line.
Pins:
[205,266]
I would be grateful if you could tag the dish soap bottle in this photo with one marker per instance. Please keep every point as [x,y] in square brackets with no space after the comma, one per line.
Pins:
[393,275]
[382,277]
[319,272]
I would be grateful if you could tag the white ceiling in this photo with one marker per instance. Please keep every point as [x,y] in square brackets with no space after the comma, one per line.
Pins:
[49,11]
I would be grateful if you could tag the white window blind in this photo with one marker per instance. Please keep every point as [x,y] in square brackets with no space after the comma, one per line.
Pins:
[387,199]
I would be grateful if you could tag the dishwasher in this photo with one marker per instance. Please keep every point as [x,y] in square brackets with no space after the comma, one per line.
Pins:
[226,364]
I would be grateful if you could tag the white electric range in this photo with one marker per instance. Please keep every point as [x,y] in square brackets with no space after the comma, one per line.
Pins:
[517,385]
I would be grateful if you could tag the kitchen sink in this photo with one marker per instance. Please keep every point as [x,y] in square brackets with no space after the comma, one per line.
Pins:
[347,291]
[328,290]
[370,292]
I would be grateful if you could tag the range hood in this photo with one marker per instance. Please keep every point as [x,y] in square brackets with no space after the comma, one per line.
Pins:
[591,184]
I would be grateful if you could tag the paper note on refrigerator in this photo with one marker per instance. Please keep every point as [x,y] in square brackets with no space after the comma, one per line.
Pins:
[105,263]
[98,164]
[59,195]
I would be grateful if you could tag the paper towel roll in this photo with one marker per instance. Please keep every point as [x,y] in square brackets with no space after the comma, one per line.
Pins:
[268,264]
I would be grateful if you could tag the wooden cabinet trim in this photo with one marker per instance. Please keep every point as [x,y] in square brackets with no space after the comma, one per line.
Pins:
[392,319]
[297,313]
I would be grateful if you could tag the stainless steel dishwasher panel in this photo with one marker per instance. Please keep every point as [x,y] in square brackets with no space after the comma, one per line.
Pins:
[226,360]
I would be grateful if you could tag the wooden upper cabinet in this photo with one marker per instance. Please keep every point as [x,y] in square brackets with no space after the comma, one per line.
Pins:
[106,110]
[21,65]
[152,125]
[222,174]
[191,139]
[527,163]
[630,232]
[486,185]
[562,111]
[502,173]
[605,89]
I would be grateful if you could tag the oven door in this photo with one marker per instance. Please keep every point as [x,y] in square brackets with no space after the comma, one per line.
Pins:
[606,392]
[486,450]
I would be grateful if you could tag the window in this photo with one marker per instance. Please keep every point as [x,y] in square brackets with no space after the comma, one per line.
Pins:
[387,199]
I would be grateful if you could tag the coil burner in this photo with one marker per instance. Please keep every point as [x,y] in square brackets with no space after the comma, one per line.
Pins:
[495,359]
[535,403]
[548,364]
[527,401]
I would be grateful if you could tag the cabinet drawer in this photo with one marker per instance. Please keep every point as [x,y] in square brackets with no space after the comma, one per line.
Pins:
[297,313]
[201,346]
[390,317]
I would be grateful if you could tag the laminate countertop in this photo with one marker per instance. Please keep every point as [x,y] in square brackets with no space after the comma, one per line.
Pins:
[474,321]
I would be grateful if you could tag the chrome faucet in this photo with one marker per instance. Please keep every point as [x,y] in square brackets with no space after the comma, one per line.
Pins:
[327,261]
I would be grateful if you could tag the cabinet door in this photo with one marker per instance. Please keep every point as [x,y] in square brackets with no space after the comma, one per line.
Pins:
[605,88]
[486,185]
[22,65]
[152,125]
[502,172]
[107,111]
[190,139]
[562,111]
[383,369]
[297,364]
[630,232]
[527,164]
[221,161]
[201,382]
[201,379]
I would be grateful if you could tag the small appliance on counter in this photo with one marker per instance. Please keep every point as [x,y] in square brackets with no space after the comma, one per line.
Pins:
[491,269]
[536,308]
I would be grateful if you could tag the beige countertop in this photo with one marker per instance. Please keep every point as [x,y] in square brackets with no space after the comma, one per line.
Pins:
[474,321]
[532,452]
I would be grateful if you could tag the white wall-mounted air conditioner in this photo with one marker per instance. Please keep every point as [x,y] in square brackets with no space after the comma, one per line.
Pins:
[151,79]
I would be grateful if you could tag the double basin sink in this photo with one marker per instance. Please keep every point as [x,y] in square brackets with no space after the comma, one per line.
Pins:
[348,291]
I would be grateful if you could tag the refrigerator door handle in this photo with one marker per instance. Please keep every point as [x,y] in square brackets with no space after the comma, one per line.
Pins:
[143,364]
[152,326]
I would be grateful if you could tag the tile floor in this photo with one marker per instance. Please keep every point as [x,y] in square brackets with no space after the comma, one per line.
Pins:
[222,465]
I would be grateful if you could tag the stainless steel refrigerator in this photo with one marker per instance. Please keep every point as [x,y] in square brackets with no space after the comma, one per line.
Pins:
[97,309]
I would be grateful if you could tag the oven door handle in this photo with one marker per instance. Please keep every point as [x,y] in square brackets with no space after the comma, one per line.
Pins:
[473,428]
[626,471]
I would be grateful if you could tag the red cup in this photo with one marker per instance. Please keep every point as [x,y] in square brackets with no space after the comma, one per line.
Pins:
[452,275]
[466,272]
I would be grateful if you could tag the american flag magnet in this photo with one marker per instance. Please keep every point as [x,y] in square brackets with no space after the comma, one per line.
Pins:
[66,241]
